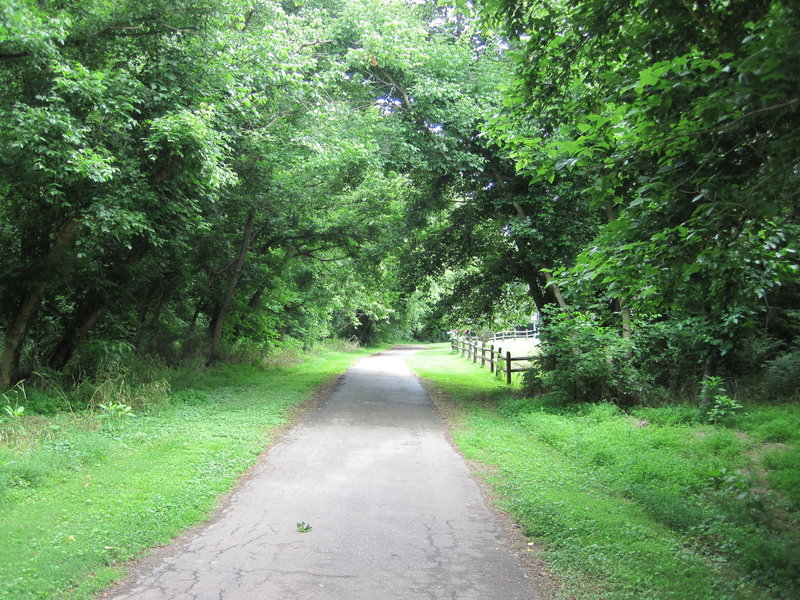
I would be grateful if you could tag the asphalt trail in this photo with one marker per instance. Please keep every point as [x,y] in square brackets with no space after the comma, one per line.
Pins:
[393,509]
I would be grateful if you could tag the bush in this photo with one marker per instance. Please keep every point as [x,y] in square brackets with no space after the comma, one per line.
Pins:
[42,403]
[715,404]
[582,361]
[120,384]
[672,352]
[98,355]
[335,344]
[781,376]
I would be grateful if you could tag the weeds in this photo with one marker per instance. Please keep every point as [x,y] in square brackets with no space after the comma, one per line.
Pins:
[11,422]
[303,527]
[11,418]
[715,403]
[115,413]
[120,386]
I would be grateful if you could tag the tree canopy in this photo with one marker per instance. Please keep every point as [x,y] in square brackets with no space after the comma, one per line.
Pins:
[184,178]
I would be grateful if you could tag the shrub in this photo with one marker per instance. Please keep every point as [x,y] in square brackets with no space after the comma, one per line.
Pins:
[335,344]
[42,403]
[672,352]
[98,355]
[781,376]
[119,384]
[715,404]
[582,361]
[244,351]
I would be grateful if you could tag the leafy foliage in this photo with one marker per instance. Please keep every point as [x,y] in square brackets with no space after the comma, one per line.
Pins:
[582,361]
[212,177]
[200,167]
[678,123]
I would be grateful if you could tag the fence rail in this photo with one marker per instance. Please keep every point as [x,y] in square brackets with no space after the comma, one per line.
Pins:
[513,334]
[499,362]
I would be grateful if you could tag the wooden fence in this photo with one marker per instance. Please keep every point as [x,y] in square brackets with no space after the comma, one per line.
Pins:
[499,362]
[513,334]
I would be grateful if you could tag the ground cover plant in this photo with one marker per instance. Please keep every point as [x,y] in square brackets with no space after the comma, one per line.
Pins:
[653,502]
[82,493]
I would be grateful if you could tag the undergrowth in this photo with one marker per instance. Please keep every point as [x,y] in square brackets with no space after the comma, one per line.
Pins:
[644,503]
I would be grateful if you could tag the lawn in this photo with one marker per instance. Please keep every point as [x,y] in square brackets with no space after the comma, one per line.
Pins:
[81,495]
[648,503]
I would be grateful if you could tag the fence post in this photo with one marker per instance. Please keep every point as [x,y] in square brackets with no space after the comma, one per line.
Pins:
[491,358]
[508,368]
[499,358]
[461,343]
[483,354]
[475,351]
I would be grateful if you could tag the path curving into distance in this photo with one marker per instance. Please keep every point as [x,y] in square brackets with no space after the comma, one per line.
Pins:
[394,511]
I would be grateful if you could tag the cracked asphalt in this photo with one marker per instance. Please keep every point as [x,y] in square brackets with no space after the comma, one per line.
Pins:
[393,509]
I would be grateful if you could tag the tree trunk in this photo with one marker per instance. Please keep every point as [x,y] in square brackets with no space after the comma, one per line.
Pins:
[91,308]
[627,328]
[555,289]
[540,298]
[627,323]
[214,317]
[535,291]
[163,296]
[256,297]
[84,321]
[624,311]
[232,283]
[18,329]
[251,304]
[193,323]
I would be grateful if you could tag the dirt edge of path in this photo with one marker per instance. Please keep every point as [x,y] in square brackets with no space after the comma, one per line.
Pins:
[529,555]
[155,555]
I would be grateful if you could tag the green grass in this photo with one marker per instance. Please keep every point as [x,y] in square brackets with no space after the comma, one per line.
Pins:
[79,496]
[646,504]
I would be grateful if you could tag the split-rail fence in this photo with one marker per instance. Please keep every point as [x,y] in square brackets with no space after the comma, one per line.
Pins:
[500,363]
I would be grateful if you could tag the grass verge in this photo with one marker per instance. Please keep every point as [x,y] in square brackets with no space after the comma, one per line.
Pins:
[81,496]
[650,504]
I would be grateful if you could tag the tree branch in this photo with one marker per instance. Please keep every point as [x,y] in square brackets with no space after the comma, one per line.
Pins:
[390,80]
[119,31]
[721,127]
[312,44]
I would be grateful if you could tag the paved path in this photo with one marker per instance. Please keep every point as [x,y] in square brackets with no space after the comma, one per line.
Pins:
[393,509]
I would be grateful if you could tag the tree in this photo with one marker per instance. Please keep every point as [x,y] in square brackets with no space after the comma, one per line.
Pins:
[683,118]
